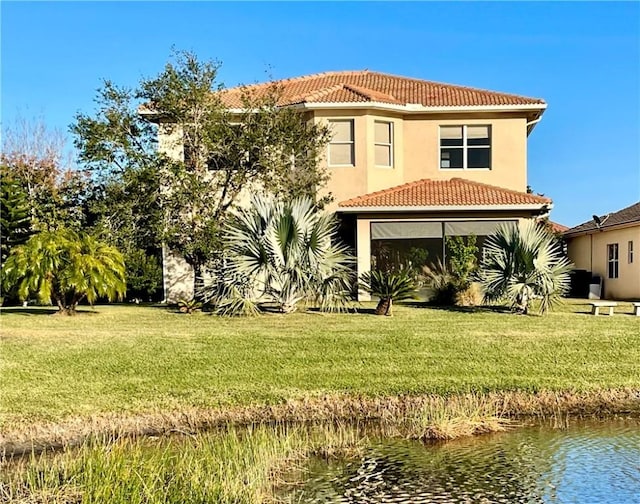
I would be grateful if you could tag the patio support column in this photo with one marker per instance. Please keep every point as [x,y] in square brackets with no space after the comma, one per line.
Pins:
[363,252]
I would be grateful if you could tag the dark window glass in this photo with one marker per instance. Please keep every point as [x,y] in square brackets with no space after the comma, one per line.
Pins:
[478,158]
[612,253]
[451,158]
[446,142]
[478,141]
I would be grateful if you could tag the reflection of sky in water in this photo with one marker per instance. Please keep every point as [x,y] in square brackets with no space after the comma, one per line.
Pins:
[590,469]
[590,463]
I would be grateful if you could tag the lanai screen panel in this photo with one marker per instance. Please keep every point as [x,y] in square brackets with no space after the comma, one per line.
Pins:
[404,230]
[478,228]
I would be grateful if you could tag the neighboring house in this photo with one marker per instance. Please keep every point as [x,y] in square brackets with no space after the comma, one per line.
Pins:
[608,246]
[412,161]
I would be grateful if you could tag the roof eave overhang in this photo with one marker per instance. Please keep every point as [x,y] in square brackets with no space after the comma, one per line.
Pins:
[443,208]
[569,234]
[411,108]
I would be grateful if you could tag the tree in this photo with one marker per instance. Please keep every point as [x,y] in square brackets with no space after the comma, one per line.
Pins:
[34,158]
[220,154]
[522,263]
[122,211]
[281,254]
[65,267]
[15,215]
[389,286]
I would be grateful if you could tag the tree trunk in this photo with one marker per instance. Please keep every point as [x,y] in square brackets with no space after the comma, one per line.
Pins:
[198,282]
[522,302]
[384,306]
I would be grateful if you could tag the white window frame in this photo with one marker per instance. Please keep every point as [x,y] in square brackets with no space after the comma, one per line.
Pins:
[630,251]
[613,260]
[390,144]
[341,142]
[464,147]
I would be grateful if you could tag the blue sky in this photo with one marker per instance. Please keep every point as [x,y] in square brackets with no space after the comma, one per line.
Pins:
[582,58]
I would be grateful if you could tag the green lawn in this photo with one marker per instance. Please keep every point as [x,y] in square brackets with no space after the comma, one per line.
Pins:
[128,359]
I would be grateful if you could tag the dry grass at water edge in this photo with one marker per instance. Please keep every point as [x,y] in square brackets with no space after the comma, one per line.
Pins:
[418,417]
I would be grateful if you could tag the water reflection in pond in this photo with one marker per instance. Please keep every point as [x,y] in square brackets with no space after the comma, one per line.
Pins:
[590,462]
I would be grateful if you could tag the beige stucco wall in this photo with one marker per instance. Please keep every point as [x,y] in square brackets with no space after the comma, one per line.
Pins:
[589,252]
[508,150]
[177,274]
[417,151]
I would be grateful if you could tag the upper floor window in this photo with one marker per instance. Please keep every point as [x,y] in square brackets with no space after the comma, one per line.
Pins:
[384,143]
[465,147]
[612,254]
[342,145]
[630,252]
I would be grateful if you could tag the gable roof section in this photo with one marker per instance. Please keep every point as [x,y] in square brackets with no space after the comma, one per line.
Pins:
[374,87]
[456,192]
[628,215]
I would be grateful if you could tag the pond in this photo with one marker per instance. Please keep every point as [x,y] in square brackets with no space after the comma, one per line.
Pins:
[587,462]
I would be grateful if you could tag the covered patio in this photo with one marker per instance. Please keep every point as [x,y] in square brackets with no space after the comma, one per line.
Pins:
[411,222]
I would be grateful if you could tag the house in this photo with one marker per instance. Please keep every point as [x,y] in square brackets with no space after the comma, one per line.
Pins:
[412,161]
[607,246]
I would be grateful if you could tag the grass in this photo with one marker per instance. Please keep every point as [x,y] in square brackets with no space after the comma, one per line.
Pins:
[233,466]
[116,371]
[131,360]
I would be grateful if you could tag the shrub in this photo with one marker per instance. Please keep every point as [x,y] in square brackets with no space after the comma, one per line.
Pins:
[389,286]
[522,263]
[280,254]
[462,257]
[65,267]
[471,296]
[189,306]
[441,284]
[144,275]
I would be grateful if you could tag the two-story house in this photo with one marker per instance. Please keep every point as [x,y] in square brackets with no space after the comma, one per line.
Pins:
[413,161]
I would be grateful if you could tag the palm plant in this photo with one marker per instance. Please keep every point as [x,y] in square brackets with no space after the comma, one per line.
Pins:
[389,286]
[65,267]
[281,254]
[442,284]
[522,263]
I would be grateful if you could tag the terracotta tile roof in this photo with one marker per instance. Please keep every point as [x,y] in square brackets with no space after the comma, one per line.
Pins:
[627,215]
[438,193]
[366,86]
[558,228]
[555,227]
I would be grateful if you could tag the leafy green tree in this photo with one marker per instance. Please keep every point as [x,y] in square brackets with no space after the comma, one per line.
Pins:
[522,263]
[280,254]
[65,267]
[143,273]
[122,211]
[389,286]
[222,154]
[15,217]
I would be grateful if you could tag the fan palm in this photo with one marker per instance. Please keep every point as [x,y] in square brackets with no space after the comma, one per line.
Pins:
[522,263]
[389,286]
[283,253]
[65,267]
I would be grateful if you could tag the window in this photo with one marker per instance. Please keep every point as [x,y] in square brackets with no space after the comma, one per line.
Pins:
[384,143]
[341,146]
[612,253]
[465,147]
[630,252]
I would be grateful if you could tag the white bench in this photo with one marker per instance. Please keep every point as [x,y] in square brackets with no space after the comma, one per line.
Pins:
[636,309]
[596,305]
